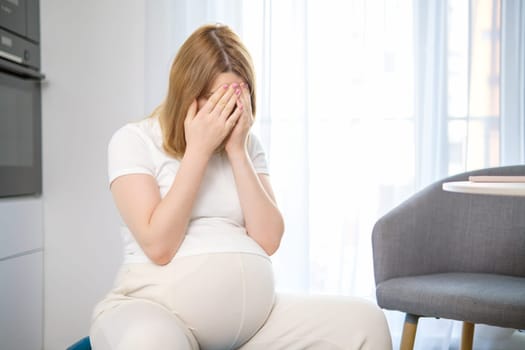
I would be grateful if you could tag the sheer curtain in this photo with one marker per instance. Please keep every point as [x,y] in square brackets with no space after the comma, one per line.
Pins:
[360,104]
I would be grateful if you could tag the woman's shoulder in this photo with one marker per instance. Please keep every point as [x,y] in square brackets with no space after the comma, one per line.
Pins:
[147,130]
[131,150]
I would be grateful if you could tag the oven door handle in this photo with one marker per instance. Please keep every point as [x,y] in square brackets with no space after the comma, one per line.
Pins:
[13,68]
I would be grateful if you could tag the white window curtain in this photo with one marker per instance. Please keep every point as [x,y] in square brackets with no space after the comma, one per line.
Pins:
[360,104]
[513,82]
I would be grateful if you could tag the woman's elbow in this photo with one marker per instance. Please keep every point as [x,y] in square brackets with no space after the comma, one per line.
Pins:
[271,248]
[160,248]
[159,257]
[273,238]
[159,254]
[162,260]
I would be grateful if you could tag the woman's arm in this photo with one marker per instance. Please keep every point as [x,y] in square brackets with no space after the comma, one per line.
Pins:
[264,222]
[159,225]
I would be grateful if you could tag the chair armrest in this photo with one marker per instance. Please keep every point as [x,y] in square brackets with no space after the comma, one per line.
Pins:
[404,240]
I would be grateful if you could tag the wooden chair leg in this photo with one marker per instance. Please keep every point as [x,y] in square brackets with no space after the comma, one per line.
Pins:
[467,336]
[409,332]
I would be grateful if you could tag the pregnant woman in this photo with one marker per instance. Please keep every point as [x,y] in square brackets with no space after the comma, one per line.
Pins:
[200,221]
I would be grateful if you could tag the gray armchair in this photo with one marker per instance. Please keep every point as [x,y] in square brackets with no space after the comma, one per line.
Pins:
[455,256]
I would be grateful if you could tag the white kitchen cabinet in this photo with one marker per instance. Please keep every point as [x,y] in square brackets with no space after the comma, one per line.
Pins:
[20,226]
[21,273]
[21,302]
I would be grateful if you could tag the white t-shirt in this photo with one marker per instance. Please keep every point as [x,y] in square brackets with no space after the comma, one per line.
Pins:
[216,223]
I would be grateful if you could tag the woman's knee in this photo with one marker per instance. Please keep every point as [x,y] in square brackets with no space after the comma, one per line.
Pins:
[156,335]
[371,322]
[323,322]
[356,321]
[140,326]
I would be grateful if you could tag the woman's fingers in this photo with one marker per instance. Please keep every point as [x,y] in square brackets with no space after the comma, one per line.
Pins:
[222,101]
[234,117]
[230,105]
[227,102]
[215,98]
[245,95]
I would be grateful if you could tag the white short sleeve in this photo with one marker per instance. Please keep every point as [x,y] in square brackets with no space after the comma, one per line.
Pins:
[128,153]
[257,155]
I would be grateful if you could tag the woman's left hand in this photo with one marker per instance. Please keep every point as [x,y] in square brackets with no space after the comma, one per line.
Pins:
[237,140]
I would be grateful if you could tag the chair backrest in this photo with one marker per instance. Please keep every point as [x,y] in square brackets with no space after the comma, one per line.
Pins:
[453,232]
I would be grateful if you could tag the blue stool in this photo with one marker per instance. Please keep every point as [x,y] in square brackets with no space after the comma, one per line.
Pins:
[82,344]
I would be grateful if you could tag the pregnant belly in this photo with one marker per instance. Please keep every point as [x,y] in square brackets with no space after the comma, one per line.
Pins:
[223,298]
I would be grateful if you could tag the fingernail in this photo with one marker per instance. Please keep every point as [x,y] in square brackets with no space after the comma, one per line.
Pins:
[235,85]
[237,91]
[225,86]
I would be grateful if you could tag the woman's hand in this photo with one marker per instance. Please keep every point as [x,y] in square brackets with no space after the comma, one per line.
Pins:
[236,142]
[207,128]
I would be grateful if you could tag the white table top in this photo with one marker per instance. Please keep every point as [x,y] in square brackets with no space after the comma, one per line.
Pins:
[492,188]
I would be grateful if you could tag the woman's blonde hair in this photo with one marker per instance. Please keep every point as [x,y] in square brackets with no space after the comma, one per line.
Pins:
[208,52]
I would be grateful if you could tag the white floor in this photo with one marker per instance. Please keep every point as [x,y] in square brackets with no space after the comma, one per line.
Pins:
[442,334]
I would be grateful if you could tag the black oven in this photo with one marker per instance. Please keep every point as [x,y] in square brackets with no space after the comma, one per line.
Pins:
[20,99]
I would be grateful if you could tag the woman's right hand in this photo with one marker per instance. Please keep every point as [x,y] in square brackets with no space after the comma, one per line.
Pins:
[207,128]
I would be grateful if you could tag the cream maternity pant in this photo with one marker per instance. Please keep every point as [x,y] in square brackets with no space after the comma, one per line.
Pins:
[225,301]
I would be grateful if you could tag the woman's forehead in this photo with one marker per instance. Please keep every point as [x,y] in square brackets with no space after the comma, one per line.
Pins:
[227,78]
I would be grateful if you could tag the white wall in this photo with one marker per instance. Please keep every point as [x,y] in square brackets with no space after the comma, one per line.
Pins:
[93,57]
